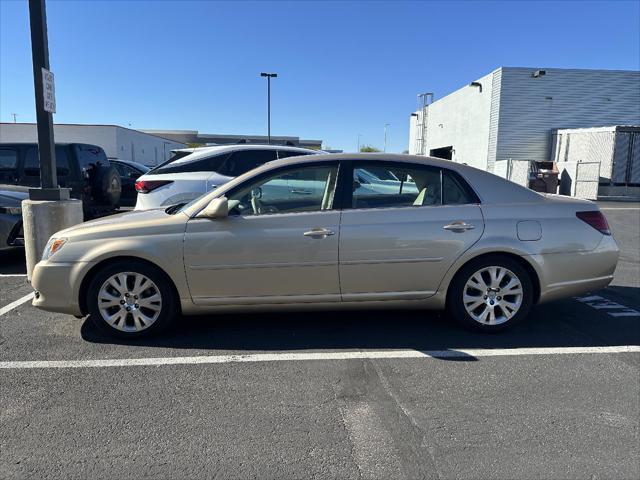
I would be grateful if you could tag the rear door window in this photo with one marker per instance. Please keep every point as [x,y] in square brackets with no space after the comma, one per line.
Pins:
[377,185]
[8,165]
[242,161]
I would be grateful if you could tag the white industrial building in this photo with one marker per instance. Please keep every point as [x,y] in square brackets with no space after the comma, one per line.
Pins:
[513,114]
[119,143]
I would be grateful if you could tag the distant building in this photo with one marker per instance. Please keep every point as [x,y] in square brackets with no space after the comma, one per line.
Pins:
[193,136]
[118,142]
[512,113]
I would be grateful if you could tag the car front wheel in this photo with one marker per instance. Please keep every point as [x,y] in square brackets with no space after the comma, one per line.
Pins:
[491,293]
[131,299]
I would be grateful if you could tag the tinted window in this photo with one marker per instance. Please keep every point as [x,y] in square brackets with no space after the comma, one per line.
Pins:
[242,161]
[376,185]
[90,155]
[184,164]
[455,190]
[32,162]
[120,168]
[8,164]
[306,189]
[289,153]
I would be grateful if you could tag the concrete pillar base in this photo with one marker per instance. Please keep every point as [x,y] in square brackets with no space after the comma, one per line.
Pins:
[41,219]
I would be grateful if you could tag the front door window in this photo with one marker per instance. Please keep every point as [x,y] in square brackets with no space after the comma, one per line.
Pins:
[306,189]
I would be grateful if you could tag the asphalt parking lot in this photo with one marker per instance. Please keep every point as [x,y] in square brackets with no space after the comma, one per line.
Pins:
[339,395]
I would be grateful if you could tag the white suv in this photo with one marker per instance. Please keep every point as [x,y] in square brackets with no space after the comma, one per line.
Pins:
[190,173]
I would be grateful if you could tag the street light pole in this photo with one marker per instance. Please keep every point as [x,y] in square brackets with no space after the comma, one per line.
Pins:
[385,136]
[359,135]
[269,77]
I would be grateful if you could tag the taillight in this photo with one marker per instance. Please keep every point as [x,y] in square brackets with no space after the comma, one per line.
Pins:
[595,219]
[146,186]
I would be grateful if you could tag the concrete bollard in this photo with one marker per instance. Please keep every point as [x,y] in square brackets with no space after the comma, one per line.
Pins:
[41,219]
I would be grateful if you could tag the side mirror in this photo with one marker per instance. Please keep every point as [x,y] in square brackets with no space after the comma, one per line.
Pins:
[217,208]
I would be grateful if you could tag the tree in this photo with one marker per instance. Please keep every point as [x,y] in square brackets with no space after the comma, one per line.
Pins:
[369,148]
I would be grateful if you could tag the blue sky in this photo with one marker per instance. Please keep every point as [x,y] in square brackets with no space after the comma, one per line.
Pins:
[345,68]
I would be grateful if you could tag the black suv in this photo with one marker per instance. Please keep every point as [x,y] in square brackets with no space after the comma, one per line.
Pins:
[85,169]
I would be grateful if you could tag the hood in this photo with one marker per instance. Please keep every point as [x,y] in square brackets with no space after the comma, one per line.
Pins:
[136,222]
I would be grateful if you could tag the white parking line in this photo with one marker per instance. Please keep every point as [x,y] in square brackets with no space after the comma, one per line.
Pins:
[13,274]
[296,357]
[599,303]
[17,303]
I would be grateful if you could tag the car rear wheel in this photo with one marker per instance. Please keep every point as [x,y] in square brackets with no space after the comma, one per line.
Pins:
[491,294]
[131,299]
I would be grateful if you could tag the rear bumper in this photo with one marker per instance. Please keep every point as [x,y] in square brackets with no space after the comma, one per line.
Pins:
[565,275]
[57,286]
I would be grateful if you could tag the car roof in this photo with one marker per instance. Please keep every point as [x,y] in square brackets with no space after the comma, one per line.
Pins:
[203,152]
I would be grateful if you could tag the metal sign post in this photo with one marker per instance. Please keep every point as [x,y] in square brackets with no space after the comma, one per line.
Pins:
[45,106]
[48,209]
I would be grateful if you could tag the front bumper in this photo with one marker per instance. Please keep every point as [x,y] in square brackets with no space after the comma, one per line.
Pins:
[57,286]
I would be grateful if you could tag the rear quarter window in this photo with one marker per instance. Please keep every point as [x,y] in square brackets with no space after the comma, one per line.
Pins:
[242,161]
[89,155]
[455,190]
[183,164]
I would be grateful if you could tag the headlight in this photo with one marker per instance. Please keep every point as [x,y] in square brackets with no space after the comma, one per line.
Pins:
[53,245]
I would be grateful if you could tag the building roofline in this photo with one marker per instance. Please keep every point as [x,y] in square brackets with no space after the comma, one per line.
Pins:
[146,132]
[504,67]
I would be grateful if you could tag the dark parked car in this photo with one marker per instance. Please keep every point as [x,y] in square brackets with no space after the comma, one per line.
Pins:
[85,169]
[129,173]
[11,234]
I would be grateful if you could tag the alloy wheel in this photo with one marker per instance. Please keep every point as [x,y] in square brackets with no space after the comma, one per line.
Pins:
[493,295]
[129,301]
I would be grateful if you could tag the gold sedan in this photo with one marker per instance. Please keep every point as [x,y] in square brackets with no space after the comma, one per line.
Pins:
[333,232]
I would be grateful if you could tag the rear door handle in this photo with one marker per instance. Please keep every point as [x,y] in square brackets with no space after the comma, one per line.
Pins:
[459,227]
[319,233]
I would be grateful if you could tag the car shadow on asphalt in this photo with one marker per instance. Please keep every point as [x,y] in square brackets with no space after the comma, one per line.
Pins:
[565,323]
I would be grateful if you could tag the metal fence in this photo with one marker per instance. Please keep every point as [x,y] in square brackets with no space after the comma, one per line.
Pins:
[577,179]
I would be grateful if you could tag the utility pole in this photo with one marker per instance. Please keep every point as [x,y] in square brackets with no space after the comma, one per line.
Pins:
[385,136]
[359,135]
[48,208]
[269,77]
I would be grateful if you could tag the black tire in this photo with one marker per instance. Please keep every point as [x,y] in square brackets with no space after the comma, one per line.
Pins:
[168,309]
[456,304]
[106,185]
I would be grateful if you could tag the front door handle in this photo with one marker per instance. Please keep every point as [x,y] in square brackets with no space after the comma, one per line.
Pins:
[459,227]
[319,233]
